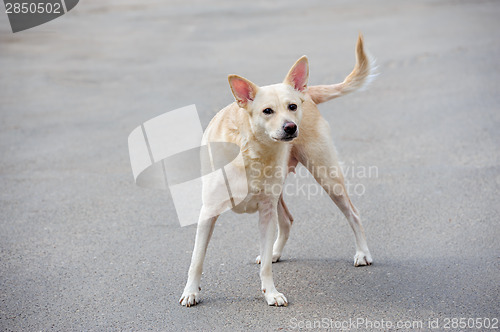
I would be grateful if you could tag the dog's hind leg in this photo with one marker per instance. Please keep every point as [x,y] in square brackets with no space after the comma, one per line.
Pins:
[319,157]
[285,221]
[336,189]
[204,231]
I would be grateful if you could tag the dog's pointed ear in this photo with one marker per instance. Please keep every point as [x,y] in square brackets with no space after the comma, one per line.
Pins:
[243,90]
[298,74]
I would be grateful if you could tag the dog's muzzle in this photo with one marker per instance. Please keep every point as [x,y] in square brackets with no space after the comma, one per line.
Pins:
[290,130]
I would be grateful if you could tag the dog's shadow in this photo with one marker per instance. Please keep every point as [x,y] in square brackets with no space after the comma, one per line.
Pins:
[336,284]
[316,280]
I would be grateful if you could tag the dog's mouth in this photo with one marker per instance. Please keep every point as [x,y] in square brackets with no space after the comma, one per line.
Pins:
[285,139]
[288,138]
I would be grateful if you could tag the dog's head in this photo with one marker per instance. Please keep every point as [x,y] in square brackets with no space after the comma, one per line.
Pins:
[275,110]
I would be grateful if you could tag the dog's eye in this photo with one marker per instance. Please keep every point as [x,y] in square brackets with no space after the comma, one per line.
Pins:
[292,107]
[268,111]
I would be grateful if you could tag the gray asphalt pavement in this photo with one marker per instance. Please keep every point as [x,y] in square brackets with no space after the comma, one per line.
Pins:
[83,248]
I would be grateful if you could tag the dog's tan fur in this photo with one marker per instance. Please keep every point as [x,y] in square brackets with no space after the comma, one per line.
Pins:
[261,138]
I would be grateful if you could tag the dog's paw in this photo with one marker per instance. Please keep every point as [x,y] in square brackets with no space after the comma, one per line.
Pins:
[362,258]
[189,298]
[276,257]
[276,299]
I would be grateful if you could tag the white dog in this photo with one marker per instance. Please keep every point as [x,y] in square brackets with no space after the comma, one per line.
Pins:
[276,127]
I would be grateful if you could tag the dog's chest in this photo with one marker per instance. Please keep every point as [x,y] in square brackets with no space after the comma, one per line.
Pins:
[265,178]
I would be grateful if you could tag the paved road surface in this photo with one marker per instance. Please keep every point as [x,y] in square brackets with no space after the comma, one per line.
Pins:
[83,248]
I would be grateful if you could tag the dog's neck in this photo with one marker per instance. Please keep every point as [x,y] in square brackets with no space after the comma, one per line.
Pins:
[265,163]
[272,153]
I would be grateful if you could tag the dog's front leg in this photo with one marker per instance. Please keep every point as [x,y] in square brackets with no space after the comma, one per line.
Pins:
[285,220]
[268,220]
[191,296]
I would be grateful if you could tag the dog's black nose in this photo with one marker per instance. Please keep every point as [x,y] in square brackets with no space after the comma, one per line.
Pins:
[290,128]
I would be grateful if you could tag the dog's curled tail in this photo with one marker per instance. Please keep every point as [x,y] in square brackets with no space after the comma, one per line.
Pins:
[362,74]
